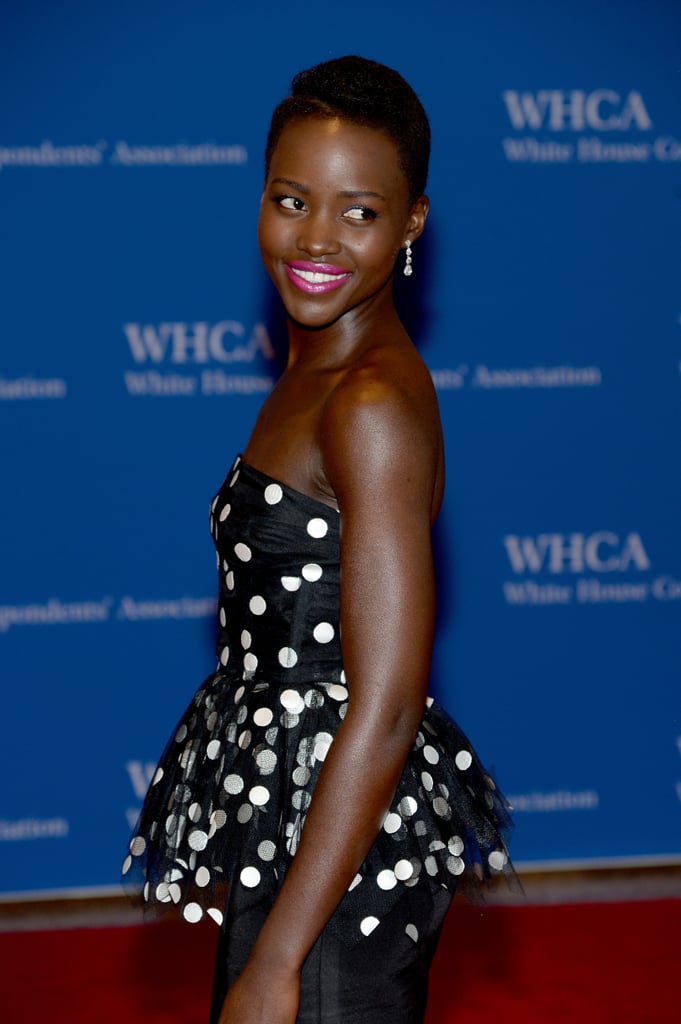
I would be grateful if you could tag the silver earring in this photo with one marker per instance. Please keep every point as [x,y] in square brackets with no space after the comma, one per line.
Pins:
[408,270]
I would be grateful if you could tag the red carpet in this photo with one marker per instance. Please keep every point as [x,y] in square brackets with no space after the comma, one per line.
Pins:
[610,963]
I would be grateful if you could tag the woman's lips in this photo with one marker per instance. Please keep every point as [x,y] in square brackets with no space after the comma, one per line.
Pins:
[316,278]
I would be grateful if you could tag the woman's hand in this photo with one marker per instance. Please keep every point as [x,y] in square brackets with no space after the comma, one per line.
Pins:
[262,996]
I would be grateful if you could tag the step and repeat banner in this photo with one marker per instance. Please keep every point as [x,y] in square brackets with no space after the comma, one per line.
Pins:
[140,334]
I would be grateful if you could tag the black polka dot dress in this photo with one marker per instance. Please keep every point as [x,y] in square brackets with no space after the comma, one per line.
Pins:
[227,805]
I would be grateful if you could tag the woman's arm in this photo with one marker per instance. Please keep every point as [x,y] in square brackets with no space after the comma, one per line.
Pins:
[381,459]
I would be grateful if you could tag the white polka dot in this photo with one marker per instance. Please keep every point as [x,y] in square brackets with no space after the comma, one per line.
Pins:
[162,893]
[223,617]
[218,818]
[386,879]
[175,892]
[157,777]
[337,692]
[392,823]
[229,580]
[188,758]
[127,864]
[224,655]
[408,806]
[213,750]
[368,924]
[430,865]
[266,761]
[312,572]
[301,775]
[292,701]
[455,865]
[239,694]
[404,869]
[413,932]
[441,807]
[181,734]
[198,839]
[323,741]
[431,755]
[273,494]
[323,632]
[192,913]
[244,814]
[233,784]
[287,657]
[455,845]
[257,605]
[250,877]
[242,552]
[463,760]
[225,512]
[245,639]
[244,739]
[138,846]
[258,795]
[250,662]
[291,583]
[317,528]
[266,850]
[214,502]
[263,716]
[355,882]
[301,800]
[234,479]
[497,860]
[215,914]
[194,812]
[202,877]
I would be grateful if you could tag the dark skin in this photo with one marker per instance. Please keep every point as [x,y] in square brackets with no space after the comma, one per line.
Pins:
[353,422]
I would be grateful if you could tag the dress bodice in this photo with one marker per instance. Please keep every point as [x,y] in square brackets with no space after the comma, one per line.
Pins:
[278,563]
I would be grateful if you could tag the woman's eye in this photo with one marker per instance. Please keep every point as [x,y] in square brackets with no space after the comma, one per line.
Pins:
[360,213]
[290,202]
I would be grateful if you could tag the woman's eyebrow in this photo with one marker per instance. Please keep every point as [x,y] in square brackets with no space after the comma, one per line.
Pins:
[360,193]
[345,193]
[291,184]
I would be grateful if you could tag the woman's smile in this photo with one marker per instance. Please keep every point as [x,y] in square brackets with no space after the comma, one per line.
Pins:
[316,278]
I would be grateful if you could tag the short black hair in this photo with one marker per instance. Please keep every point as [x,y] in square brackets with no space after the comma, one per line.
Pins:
[362,92]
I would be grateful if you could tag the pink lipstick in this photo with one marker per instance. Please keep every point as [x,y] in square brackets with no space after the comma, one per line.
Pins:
[315,278]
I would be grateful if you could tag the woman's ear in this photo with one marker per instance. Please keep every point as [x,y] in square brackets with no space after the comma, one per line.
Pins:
[417,218]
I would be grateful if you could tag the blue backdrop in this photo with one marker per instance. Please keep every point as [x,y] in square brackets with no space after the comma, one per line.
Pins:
[139,335]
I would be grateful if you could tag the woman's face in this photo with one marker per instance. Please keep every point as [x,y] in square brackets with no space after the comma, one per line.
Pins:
[333,216]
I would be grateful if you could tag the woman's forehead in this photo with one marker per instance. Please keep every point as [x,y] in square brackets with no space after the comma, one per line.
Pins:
[335,148]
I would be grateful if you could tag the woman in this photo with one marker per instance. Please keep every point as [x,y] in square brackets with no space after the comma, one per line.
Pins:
[317,714]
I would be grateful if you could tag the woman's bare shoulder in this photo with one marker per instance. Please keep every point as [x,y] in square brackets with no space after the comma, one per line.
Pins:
[382,417]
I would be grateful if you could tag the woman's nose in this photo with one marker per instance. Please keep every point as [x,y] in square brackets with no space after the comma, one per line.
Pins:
[318,236]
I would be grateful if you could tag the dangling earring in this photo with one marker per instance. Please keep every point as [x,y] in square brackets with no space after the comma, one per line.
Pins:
[408,271]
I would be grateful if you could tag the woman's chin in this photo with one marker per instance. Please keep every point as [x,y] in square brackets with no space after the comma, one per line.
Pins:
[310,318]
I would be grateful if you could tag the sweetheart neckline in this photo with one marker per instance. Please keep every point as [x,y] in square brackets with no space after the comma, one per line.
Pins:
[241,462]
